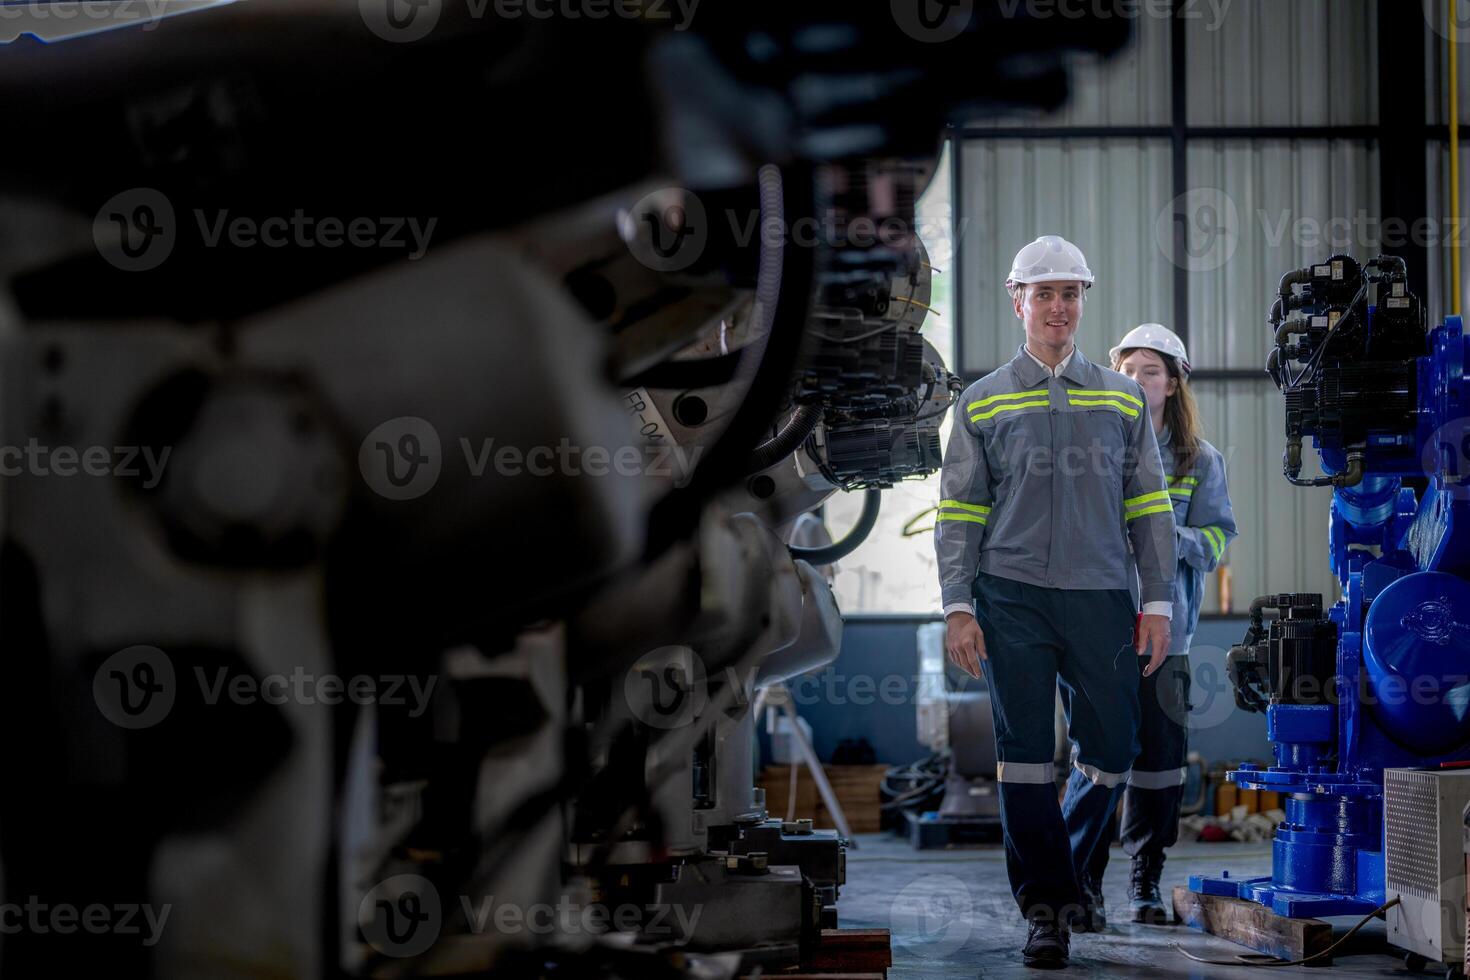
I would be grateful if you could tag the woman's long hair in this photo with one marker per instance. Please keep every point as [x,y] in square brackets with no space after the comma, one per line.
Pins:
[1181,414]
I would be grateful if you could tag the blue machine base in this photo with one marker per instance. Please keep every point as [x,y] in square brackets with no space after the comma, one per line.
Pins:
[1283,901]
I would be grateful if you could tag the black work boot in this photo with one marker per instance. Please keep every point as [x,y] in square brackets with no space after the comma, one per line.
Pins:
[1091,916]
[1143,891]
[1047,944]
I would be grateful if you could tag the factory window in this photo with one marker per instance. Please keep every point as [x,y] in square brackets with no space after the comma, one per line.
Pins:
[892,573]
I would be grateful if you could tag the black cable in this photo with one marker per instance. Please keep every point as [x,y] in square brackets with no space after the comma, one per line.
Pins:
[829,474]
[787,440]
[924,777]
[1350,314]
[838,550]
[784,287]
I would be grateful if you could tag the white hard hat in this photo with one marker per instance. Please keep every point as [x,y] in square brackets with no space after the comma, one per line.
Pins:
[1049,258]
[1156,337]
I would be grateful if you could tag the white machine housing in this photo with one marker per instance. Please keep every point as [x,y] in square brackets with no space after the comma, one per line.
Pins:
[1424,861]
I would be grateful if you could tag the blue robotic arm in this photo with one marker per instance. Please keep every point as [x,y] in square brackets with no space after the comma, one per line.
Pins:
[1381,678]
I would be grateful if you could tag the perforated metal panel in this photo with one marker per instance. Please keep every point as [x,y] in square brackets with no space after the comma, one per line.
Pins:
[1424,864]
[1411,809]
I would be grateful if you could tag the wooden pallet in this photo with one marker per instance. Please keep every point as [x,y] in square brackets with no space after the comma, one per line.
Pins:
[856,789]
[844,954]
[1253,925]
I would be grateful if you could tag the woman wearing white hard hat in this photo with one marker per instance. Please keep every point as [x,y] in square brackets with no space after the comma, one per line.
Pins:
[1154,356]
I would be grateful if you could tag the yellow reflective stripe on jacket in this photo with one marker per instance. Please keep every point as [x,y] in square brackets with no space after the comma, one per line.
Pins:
[1217,540]
[1144,498]
[1087,402]
[959,505]
[1011,396]
[1192,481]
[1147,503]
[956,515]
[1098,393]
[1043,403]
[1182,493]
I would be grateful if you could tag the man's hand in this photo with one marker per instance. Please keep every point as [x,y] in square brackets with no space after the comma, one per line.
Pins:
[964,641]
[1153,631]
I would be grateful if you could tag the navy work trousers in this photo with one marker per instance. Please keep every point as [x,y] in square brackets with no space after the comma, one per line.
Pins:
[1155,790]
[1035,638]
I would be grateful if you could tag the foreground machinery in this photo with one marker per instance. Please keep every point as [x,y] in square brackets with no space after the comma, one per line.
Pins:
[363,342]
[1381,679]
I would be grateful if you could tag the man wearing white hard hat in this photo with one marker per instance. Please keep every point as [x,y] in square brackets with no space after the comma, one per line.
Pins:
[1053,494]
[1154,356]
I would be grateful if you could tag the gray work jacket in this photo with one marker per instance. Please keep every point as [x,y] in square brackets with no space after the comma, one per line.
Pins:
[1204,524]
[1047,480]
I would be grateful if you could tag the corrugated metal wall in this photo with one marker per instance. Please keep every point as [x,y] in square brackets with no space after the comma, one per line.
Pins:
[1255,210]
[1285,63]
[1102,195]
[1437,298]
[1443,230]
[1294,202]
[1131,89]
[1437,68]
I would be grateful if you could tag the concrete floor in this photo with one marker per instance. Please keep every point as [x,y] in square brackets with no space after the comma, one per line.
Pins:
[952,915]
